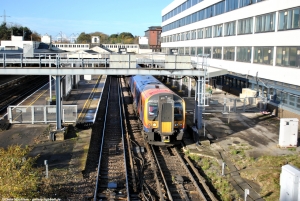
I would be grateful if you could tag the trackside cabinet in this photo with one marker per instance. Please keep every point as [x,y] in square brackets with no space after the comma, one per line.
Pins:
[288,132]
[289,183]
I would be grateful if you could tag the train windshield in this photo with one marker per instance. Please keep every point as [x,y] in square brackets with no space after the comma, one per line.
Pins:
[178,112]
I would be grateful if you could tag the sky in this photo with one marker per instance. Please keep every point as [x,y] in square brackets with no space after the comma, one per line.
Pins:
[72,17]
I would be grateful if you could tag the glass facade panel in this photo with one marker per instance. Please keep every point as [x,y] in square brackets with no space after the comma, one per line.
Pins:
[231,5]
[228,53]
[193,51]
[217,52]
[229,29]
[199,33]
[289,19]
[263,55]
[243,54]
[194,33]
[265,23]
[245,26]
[208,31]
[181,50]
[288,56]
[187,51]
[199,50]
[218,30]
[207,50]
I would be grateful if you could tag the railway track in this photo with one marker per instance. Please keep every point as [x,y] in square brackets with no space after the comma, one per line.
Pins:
[15,90]
[172,176]
[112,174]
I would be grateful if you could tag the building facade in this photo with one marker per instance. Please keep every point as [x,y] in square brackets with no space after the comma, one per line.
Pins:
[257,41]
[154,38]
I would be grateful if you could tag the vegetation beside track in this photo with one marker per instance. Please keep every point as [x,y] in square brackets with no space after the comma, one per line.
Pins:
[18,177]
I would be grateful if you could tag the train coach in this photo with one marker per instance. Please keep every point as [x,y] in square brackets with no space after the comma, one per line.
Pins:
[161,111]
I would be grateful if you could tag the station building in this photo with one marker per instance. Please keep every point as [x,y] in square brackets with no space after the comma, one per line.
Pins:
[257,41]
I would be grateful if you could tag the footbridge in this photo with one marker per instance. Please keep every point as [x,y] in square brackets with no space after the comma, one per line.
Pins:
[59,65]
[112,64]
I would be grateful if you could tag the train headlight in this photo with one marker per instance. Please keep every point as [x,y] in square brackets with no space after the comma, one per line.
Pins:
[154,124]
[176,124]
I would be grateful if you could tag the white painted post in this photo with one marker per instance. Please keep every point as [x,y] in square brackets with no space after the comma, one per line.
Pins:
[32,114]
[46,164]
[246,193]
[223,168]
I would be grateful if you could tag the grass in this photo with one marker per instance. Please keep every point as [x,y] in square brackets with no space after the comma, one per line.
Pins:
[266,171]
[213,175]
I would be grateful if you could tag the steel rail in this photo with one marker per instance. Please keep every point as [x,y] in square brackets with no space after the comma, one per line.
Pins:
[102,143]
[122,113]
[190,175]
[162,174]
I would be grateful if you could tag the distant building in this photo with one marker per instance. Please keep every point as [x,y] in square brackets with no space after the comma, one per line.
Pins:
[153,34]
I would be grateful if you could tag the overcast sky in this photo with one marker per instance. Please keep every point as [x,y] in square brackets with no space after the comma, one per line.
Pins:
[74,16]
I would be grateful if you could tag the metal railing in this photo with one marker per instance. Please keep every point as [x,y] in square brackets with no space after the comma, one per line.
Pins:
[40,114]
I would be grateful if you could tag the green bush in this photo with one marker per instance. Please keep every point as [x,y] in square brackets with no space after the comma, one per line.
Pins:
[18,178]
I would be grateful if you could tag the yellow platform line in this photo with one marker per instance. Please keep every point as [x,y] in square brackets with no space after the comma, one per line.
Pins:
[88,101]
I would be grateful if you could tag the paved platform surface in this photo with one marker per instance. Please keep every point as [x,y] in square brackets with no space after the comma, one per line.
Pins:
[60,154]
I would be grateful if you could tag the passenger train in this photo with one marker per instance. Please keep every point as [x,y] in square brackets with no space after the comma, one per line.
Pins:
[161,111]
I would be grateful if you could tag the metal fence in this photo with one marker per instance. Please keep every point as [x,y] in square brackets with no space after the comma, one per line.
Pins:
[40,114]
[238,105]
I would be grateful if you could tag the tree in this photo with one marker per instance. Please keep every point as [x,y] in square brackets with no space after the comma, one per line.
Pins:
[16,30]
[84,38]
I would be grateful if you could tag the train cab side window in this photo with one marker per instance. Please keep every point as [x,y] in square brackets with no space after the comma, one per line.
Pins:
[152,109]
[178,112]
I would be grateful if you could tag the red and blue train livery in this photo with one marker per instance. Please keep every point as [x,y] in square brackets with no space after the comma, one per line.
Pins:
[161,111]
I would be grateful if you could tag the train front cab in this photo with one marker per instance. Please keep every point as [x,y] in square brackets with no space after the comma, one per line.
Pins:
[164,119]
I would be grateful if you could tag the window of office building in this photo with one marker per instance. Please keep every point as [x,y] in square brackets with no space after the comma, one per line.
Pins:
[229,29]
[208,12]
[188,35]
[199,33]
[174,37]
[228,53]
[194,34]
[245,26]
[243,54]
[217,52]
[263,55]
[288,56]
[243,3]
[218,30]
[187,51]
[199,50]
[208,31]
[265,23]
[178,37]
[181,50]
[219,8]
[231,5]
[207,50]
[182,37]
[289,19]
[193,51]
[194,17]
[170,38]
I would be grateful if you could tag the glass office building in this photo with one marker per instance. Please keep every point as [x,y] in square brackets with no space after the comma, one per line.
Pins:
[257,41]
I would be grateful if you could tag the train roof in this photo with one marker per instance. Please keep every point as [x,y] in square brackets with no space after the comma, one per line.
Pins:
[150,86]
[145,82]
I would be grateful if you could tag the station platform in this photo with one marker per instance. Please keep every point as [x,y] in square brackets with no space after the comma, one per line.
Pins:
[85,96]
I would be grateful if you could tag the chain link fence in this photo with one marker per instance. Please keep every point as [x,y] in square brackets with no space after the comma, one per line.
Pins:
[40,114]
